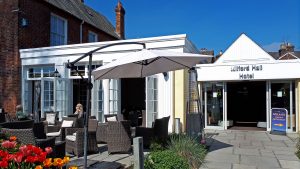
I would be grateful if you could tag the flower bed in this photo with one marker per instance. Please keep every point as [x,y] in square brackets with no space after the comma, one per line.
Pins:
[14,155]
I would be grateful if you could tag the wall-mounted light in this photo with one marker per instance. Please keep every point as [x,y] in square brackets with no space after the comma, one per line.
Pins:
[56,73]
[24,22]
[166,76]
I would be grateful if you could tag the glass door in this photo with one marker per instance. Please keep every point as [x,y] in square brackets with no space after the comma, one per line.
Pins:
[47,95]
[60,96]
[213,107]
[283,96]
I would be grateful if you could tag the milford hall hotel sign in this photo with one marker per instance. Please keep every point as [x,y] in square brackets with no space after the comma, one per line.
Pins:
[246,72]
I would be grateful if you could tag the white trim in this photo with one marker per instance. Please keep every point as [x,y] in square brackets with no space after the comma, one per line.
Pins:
[288,53]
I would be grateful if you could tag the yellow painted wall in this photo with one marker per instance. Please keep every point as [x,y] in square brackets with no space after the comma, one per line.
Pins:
[298,99]
[180,95]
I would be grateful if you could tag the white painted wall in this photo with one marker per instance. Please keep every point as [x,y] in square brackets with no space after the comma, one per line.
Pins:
[59,56]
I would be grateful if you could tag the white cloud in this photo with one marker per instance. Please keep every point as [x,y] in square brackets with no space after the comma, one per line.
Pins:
[273,47]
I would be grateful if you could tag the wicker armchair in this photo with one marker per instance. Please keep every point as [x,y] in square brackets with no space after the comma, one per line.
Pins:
[159,131]
[101,133]
[59,130]
[18,124]
[118,136]
[39,130]
[75,139]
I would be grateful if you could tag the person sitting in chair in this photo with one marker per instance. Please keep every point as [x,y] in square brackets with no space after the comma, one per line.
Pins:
[79,112]
[20,114]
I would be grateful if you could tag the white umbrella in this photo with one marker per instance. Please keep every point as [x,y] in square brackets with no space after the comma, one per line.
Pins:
[147,62]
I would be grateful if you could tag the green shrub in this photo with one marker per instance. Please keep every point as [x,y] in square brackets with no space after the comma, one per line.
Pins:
[298,147]
[156,146]
[165,160]
[188,148]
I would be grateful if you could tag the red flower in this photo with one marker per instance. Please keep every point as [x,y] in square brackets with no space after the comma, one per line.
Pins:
[3,164]
[42,157]
[18,157]
[48,150]
[8,144]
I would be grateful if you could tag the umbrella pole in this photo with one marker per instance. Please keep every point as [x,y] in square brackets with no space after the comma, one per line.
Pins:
[88,112]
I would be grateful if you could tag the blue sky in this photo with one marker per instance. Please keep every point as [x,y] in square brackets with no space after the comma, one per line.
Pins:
[211,24]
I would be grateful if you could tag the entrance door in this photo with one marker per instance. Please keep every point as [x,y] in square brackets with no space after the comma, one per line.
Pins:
[53,95]
[246,103]
[283,96]
[79,93]
[214,109]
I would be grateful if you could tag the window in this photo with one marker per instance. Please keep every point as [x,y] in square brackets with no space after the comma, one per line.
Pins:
[78,70]
[81,69]
[113,96]
[58,34]
[100,101]
[48,95]
[38,72]
[152,99]
[93,37]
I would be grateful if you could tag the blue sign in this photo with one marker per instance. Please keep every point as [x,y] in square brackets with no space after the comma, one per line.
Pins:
[279,119]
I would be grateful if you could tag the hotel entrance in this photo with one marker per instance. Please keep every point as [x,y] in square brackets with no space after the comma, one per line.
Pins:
[246,105]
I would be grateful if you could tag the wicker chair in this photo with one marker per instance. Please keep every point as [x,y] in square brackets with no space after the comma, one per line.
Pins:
[118,136]
[101,133]
[158,132]
[75,139]
[108,117]
[59,131]
[18,124]
[39,130]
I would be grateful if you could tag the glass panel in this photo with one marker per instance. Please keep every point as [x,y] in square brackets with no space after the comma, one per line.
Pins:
[214,104]
[283,96]
[57,36]
[152,100]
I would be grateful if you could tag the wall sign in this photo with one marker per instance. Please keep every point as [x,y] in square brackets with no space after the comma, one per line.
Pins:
[246,71]
[279,120]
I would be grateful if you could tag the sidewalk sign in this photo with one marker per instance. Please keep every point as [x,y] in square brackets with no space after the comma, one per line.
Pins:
[278,121]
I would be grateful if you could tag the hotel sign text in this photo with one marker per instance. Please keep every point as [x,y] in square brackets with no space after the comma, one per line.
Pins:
[246,71]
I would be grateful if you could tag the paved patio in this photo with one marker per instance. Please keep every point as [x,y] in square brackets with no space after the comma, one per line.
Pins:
[103,160]
[236,149]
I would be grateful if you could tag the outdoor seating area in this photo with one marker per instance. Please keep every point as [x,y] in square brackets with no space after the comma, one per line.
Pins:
[66,137]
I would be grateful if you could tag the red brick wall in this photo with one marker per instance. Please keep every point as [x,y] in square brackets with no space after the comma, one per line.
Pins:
[9,60]
[37,34]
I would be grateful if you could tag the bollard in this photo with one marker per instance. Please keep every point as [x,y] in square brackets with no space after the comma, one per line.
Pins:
[138,153]
[177,125]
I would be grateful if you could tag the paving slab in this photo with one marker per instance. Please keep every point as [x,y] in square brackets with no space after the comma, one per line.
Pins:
[245,151]
[251,149]
[216,165]
[290,164]
[242,166]
[259,161]
[228,158]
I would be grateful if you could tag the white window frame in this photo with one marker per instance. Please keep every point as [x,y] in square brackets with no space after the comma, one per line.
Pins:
[151,99]
[65,29]
[113,96]
[93,34]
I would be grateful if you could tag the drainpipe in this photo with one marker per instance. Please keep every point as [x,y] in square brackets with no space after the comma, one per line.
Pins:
[81,30]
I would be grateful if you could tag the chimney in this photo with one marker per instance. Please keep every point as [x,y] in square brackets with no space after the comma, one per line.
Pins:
[120,23]
[285,48]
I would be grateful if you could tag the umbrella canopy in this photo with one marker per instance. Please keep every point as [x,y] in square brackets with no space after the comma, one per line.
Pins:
[147,62]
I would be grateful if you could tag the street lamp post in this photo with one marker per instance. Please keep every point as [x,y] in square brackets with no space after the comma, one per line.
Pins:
[71,65]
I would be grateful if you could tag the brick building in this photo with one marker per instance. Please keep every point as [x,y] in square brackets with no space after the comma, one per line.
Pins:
[41,23]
